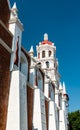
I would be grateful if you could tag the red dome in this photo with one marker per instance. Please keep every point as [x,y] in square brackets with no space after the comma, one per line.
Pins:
[46,42]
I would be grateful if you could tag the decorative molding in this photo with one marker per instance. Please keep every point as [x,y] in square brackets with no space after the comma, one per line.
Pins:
[5,46]
[17,21]
[6,28]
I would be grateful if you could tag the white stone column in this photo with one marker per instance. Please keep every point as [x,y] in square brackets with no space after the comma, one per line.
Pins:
[13,115]
[46,90]
[57,97]
[37,111]
[62,123]
[63,104]
[23,103]
[39,118]
[52,117]
[64,108]
[17,106]
[32,75]
[40,54]
[47,53]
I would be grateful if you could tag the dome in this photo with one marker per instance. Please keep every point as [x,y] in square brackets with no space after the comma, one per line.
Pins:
[46,40]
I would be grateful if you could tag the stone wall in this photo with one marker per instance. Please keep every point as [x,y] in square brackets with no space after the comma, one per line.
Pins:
[4,85]
[4,12]
[4,65]
[5,35]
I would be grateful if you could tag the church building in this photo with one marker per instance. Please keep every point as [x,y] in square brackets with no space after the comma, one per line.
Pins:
[31,94]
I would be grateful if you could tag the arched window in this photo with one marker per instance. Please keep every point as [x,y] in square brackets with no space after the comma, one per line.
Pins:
[49,53]
[47,64]
[60,100]
[51,92]
[43,54]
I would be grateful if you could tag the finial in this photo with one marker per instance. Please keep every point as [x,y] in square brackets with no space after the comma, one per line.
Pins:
[31,52]
[14,6]
[31,49]
[64,88]
[45,36]
[15,10]
[39,43]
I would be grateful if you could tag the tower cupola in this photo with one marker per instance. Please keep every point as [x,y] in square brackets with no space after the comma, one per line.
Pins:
[46,41]
[46,57]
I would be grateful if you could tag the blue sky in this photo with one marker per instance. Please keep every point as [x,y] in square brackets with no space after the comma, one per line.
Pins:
[61,20]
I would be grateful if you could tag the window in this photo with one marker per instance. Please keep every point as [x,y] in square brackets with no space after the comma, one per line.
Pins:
[51,92]
[43,54]
[49,53]
[47,64]
[54,65]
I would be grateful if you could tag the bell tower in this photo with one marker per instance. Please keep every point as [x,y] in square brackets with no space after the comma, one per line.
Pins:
[46,59]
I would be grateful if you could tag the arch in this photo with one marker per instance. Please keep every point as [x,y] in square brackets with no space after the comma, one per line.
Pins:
[43,54]
[60,100]
[47,64]
[52,92]
[50,53]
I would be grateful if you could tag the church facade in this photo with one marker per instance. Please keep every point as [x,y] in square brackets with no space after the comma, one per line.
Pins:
[31,94]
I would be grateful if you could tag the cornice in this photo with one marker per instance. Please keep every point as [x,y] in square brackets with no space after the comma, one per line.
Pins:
[5,46]
[6,28]
[17,21]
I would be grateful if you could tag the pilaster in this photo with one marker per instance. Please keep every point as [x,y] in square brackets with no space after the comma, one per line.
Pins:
[52,117]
